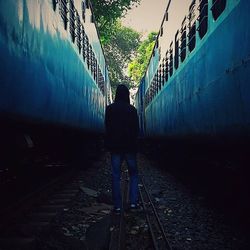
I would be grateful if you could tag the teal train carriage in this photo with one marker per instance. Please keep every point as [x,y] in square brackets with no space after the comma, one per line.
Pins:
[53,70]
[197,81]
[54,84]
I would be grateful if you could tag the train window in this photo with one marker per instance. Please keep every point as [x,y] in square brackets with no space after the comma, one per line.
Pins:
[87,51]
[171,60]
[166,16]
[155,86]
[218,6]
[161,31]
[157,43]
[84,45]
[79,32]
[192,27]
[95,69]
[64,12]
[54,3]
[83,10]
[203,18]
[93,63]
[90,57]
[176,54]
[72,20]
[166,67]
[87,4]
[163,73]
[159,78]
[183,40]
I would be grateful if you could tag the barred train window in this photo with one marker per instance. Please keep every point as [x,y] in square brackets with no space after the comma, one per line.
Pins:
[83,10]
[166,67]
[171,60]
[54,3]
[218,6]
[192,27]
[183,40]
[203,18]
[176,54]
[63,7]
[79,32]
[72,19]
[84,45]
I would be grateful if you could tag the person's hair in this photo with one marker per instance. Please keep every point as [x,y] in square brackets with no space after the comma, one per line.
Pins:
[122,93]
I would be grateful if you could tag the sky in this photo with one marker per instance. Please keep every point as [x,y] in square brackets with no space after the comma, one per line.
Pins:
[148,15]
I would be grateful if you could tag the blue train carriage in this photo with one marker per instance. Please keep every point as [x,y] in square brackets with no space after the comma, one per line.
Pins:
[197,81]
[53,69]
[139,104]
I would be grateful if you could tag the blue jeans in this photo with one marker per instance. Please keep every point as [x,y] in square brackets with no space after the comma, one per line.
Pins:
[116,162]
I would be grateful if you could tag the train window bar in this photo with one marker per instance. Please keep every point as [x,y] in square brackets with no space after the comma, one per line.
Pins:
[87,4]
[160,77]
[183,40]
[79,33]
[166,16]
[157,43]
[171,59]
[83,11]
[93,63]
[163,72]
[161,31]
[95,69]
[84,45]
[192,27]
[54,3]
[176,54]
[63,9]
[166,67]
[218,6]
[203,18]
[87,51]
[72,18]
[156,82]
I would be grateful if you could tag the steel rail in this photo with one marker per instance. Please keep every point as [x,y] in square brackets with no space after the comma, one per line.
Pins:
[148,220]
[168,246]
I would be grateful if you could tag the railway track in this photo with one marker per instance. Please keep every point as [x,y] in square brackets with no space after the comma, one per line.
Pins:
[157,233]
[155,228]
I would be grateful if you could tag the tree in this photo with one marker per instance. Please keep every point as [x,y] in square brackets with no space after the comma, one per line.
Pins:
[118,52]
[138,66]
[107,12]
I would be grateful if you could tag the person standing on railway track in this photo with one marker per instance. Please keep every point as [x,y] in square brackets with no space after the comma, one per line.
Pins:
[122,129]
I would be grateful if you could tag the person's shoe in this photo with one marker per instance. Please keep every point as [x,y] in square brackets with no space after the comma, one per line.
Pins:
[133,207]
[117,210]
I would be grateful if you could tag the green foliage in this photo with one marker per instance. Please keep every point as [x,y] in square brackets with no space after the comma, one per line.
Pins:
[107,12]
[118,42]
[138,66]
[118,51]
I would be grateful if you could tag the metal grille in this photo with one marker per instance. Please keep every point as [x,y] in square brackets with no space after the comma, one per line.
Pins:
[63,9]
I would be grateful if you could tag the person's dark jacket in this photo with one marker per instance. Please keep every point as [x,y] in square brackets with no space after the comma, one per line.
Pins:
[121,123]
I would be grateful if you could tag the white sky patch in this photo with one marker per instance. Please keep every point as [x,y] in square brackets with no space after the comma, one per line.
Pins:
[146,17]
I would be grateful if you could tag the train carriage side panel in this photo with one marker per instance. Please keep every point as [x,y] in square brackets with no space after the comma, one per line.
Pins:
[44,76]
